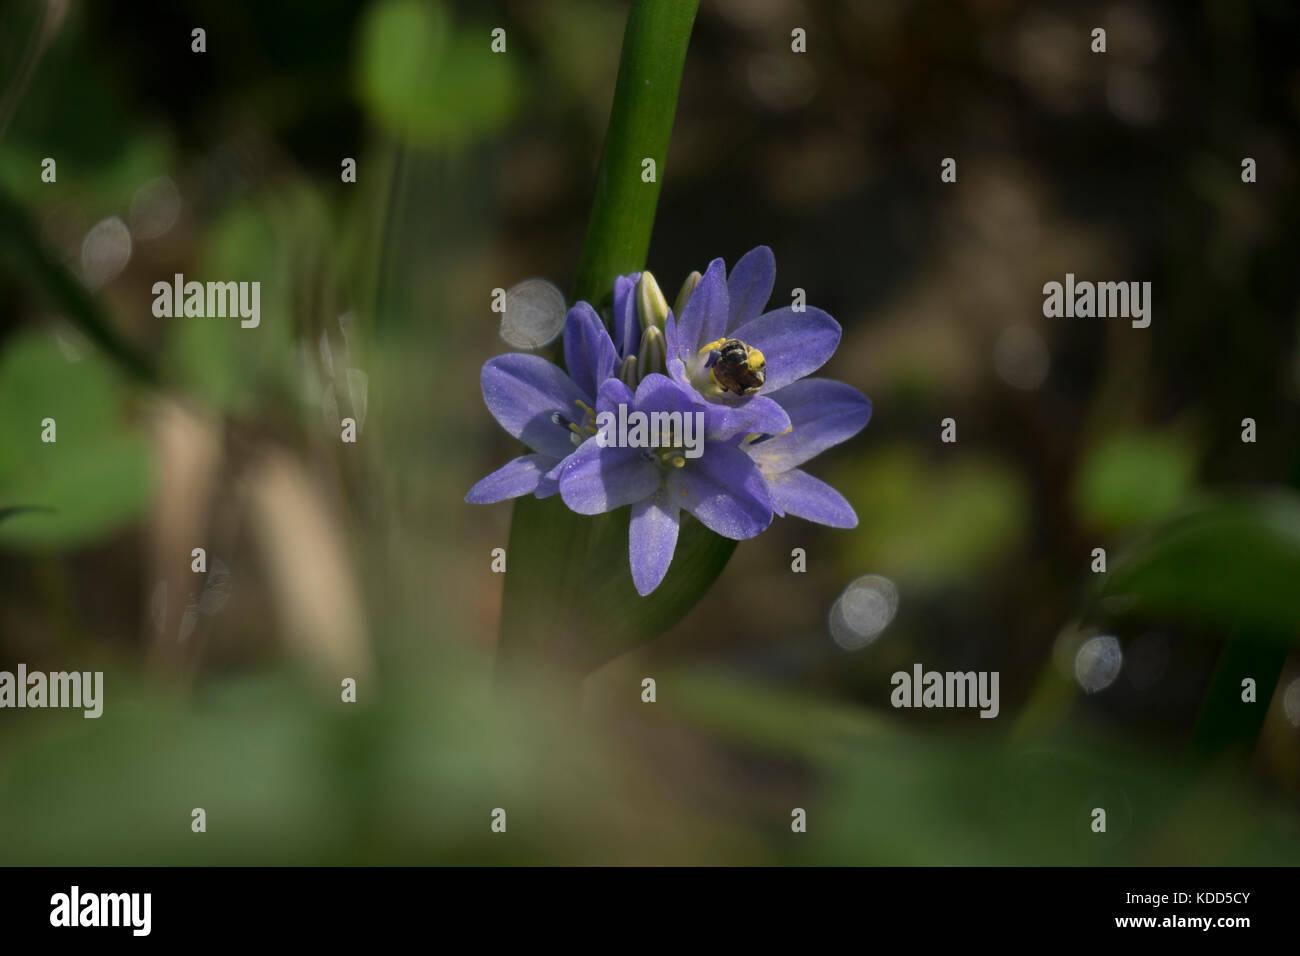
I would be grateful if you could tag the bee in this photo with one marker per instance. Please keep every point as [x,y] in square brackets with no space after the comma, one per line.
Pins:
[736,367]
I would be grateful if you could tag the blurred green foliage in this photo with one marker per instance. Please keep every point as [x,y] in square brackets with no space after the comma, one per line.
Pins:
[225,364]
[1227,562]
[95,476]
[928,527]
[478,169]
[1133,477]
[412,775]
[426,81]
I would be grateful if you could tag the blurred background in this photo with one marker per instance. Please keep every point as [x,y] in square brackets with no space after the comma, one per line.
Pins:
[327,560]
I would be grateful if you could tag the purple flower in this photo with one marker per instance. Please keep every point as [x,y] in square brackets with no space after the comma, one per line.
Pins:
[729,351]
[548,410]
[722,487]
[737,417]
[822,413]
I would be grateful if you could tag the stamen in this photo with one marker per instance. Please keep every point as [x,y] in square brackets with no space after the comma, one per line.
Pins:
[756,438]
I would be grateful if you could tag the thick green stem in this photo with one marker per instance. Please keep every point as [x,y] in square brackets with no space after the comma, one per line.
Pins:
[640,125]
[551,609]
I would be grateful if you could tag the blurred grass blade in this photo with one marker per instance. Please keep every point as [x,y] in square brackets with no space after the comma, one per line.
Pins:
[22,252]
[6,513]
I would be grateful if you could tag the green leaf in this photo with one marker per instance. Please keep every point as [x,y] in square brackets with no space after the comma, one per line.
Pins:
[1132,478]
[930,527]
[427,83]
[94,477]
[1233,561]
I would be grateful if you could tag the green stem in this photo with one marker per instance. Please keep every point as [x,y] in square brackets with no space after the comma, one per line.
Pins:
[547,615]
[640,124]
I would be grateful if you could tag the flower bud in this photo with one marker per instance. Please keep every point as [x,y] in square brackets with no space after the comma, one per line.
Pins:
[688,287]
[652,356]
[651,306]
[627,372]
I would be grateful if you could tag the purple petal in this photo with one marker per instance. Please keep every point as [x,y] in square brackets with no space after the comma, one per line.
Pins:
[717,305]
[659,393]
[725,491]
[588,350]
[823,413]
[794,344]
[800,495]
[757,414]
[750,286]
[704,317]
[627,327]
[613,393]
[595,480]
[522,476]
[547,486]
[652,539]
[677,370]
[671,338]
[523,391]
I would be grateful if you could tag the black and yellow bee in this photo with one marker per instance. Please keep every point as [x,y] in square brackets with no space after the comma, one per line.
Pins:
[736,367]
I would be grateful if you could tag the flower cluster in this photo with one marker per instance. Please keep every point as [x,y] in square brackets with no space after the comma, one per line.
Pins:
[740,371]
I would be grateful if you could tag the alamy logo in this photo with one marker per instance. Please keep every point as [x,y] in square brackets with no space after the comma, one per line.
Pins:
[952,689]
[634,429]
[1102,300]
[211,300]
[56,689]
[102,909]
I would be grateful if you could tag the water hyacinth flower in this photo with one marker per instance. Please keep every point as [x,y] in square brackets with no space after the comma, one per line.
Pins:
[740,370]
[723,488]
